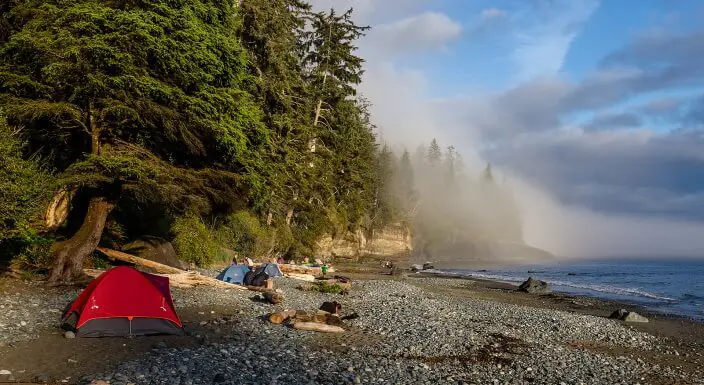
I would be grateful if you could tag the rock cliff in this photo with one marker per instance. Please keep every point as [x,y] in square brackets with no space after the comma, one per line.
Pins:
[393,242]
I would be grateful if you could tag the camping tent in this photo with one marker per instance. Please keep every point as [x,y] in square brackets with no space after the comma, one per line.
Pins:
[272,270]
[124,302]
[233,274]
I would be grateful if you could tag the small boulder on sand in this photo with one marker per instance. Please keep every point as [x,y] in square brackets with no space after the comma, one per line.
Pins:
[535,286]
[627,316]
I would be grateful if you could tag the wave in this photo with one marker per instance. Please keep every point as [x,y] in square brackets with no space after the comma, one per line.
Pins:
[600,288]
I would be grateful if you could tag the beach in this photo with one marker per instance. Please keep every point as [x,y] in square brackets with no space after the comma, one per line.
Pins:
[411,330]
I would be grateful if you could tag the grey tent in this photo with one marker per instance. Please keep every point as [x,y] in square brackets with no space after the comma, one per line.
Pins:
[272,270]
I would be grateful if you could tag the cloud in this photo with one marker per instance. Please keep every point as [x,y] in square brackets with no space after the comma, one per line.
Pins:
[589,191]
[637,173]
[544,31]
[429,31]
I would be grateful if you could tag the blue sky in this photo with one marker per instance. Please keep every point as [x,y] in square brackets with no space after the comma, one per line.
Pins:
[599,104]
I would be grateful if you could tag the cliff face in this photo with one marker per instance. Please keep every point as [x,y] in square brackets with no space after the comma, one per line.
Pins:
[393,243]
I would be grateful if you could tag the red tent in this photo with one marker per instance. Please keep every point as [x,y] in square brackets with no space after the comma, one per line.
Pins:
[124,302]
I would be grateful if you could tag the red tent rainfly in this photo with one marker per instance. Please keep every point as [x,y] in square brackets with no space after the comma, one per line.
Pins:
[124,302]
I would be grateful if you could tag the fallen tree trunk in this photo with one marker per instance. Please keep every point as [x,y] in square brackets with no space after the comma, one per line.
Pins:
[301,277]
[188,279]
[158,267]
[316,327]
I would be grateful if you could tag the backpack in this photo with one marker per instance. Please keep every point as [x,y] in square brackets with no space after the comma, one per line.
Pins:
[256,278]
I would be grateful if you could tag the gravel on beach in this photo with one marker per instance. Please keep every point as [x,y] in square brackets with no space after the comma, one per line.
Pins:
[404,335]
[25,314]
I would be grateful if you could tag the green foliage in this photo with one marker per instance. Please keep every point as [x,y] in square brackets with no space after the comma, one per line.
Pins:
[30,252]
[122,79]
[230,111]
[328,288]
[194,241]
[25,189]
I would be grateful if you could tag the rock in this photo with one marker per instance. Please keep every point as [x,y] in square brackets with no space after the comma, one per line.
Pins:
[5,372]
[627,316]
[535,286]
[332,307]
[219,378]
[157,250]
[619,314]
[69,334]
[99,382]
[428,266]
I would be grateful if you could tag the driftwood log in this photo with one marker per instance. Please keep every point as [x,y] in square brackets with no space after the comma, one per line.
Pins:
[281,317]
[301,277]
[158,267]
[317,327]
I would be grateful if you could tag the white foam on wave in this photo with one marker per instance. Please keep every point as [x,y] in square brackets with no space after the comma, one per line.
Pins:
[609,289]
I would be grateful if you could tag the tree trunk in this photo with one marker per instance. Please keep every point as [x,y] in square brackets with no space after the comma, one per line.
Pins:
[70,254]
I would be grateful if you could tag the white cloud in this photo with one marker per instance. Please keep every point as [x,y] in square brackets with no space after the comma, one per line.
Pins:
[544,32]
[429,31]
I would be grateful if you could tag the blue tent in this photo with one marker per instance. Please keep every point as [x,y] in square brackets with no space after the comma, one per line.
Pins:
[233,274]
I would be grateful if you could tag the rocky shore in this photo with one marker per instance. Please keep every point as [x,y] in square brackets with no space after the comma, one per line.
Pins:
[406,333]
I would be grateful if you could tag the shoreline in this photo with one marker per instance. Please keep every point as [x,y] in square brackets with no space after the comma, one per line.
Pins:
[417,329]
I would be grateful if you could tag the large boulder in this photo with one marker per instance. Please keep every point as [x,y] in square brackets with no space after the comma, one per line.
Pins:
[535,286]
[627,316]
[157,250]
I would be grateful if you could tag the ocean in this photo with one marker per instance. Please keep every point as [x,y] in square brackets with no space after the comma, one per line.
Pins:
[670,286]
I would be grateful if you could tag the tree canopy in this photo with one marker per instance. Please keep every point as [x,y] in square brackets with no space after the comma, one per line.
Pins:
[238,118]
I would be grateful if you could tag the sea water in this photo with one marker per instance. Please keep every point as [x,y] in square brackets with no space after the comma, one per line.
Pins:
[667,285]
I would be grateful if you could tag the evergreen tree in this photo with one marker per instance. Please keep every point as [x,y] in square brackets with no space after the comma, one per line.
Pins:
[434,153]
[123,97]
[272,32]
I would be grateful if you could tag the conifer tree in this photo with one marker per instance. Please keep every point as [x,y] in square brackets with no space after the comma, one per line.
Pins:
[146,98]
[434,153]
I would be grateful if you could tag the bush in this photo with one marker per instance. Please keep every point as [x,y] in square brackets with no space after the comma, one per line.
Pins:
[25,189]
[30,252]
[245,234]
[194,241]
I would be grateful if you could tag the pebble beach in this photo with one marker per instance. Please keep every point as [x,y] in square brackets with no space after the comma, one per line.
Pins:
[405,334]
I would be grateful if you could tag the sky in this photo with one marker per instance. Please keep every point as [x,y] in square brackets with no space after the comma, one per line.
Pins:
[592,109]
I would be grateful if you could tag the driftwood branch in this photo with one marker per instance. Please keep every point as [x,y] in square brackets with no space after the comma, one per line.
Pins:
[158,267]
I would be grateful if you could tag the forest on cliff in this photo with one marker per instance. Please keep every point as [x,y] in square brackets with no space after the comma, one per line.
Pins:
[213,125]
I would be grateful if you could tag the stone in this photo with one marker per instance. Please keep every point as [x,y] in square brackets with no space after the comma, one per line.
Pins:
[634,317]
[627,316]
[5,372]
[69,334]
[535,286]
